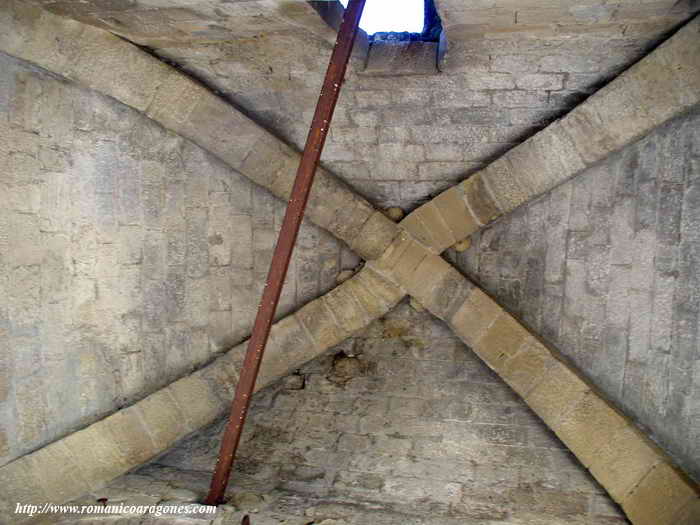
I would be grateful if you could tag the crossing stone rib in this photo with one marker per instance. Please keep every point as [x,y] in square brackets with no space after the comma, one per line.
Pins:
[661,86]
[635,472]
[89,458]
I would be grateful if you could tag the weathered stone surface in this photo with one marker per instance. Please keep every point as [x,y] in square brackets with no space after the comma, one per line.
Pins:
[270,163]
[349,314]
[479,199]
[289,346]
[131,435]
[453,209]
[319,321]
[57,471]
[623,463]
[508,189]
[438,286]
[545,160]
[371,281]
[374,236]
[208,123]
[392,255]
[591,267]
[427,225]
[412,405]
[20,483]
[559,391]
[475,316]
[659,496]
[150,257]
[589,426]
[689,514]
[196,399]
[363,293]
[588,133]
[501,340]
[524,370]
[146,253]
[175,100]
[163,418]
[97,455]
[413,254]
[402,58]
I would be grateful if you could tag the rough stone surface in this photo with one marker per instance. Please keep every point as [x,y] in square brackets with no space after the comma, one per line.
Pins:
[605,268]
[402,58]
[400,141]
[413,429]
[91,57]
[185,283]
[129,256]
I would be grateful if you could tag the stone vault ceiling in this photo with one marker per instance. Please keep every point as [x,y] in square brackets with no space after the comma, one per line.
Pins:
[511,67]
[524,79]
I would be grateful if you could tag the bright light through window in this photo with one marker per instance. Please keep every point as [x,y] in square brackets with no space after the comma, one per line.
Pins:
[387,16]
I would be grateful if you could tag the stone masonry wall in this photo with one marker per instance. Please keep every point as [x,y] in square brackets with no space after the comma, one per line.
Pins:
[512,66]
[400,139]
[605,267]
[413,428]
[128,256]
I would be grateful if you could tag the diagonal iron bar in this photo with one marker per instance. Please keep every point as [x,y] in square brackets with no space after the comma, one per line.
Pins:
[285,245]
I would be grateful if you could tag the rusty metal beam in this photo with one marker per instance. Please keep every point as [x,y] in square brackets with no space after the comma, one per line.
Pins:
[285,245]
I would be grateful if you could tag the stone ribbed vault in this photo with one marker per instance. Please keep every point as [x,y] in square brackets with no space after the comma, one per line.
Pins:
[402,259]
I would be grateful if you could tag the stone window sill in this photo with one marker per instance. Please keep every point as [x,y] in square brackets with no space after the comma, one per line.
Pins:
[395,58]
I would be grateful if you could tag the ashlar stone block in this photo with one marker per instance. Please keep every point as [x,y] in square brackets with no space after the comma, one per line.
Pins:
[318,320]
[624,461]
[163,418]
[20,483]
[501,341]
[198,402]
[475,316]
[590,425]
[375,236]
[505,182]
[559,391]
[56,469]
[427,225]
[132,437]
[528,366]
[479,199]
[99,457]
[453,209]
[657,499]
[439,287]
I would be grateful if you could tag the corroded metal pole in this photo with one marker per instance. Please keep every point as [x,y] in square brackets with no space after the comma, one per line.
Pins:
[285,245]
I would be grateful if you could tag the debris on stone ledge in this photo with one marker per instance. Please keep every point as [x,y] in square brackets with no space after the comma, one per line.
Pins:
[344,276]
[345,368]
[395,214]
[293,382]
[463,246]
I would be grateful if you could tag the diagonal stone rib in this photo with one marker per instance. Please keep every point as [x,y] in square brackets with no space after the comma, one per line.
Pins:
[661,86]
[104,62]
[635,472]
[88,459]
